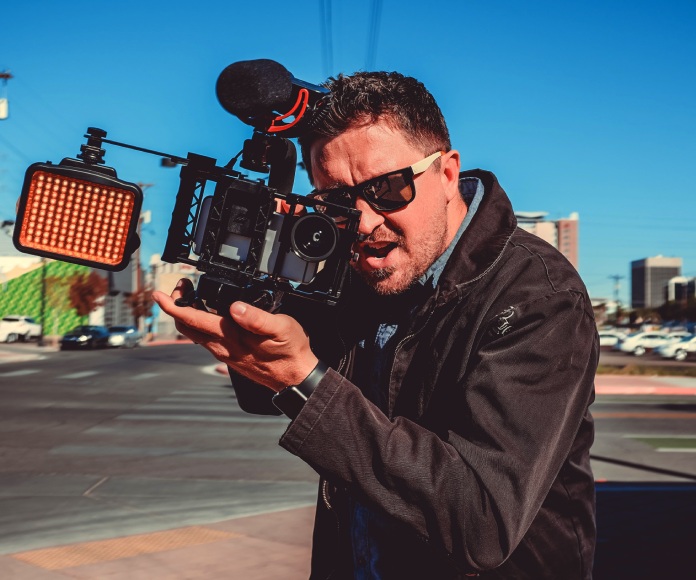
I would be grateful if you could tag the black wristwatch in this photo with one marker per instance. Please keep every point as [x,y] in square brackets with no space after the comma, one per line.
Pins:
[291,399]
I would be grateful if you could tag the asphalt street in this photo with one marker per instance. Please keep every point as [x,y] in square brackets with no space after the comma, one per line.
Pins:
[139,464]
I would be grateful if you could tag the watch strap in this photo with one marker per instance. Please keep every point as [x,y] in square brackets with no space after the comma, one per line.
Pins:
[291,399]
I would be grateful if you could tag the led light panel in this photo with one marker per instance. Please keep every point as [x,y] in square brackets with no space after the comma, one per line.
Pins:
[86,221]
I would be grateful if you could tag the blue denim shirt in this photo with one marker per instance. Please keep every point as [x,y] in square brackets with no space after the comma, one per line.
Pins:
[369,528]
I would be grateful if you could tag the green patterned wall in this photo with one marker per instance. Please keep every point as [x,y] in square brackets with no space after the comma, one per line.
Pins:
[22,295]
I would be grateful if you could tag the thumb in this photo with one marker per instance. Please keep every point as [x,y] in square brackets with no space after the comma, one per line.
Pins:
[256,321]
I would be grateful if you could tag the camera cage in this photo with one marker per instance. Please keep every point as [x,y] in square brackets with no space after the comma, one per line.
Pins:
[227,279]
[197,240]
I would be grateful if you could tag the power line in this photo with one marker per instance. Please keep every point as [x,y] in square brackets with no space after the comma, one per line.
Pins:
[374,34]
[326,26]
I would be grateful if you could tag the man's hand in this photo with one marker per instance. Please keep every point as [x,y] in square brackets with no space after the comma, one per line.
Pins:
[270,349]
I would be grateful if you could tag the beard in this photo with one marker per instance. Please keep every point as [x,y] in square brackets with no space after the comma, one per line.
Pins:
[414,262]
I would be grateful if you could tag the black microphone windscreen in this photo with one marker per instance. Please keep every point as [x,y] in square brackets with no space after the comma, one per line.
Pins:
[254,87]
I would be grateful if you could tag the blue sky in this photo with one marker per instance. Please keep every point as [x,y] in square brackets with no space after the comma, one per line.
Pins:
[585,107]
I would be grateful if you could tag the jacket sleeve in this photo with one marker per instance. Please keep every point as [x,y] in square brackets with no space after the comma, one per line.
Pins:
[252,397]
[474,489]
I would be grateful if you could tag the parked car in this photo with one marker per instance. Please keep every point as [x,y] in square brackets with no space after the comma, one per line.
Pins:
[86,337]
[125,336]
[14,327]
[609,338]
[680,350]
[639,343]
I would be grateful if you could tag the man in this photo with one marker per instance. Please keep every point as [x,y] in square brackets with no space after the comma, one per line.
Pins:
[447,393]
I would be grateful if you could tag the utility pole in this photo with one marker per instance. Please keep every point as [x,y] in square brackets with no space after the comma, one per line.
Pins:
[617,301]
[144,218]
[617,287]
[44,266]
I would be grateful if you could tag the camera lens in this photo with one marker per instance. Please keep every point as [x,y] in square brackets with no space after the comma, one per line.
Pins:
[314,237]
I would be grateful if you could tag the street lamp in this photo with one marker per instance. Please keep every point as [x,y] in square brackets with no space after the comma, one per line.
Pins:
[4,103]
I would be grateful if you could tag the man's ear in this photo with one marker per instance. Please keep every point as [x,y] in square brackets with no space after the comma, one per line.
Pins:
[450,165]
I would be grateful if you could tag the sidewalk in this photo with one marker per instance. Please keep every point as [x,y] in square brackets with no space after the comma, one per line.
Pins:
[640,385]
[275,545]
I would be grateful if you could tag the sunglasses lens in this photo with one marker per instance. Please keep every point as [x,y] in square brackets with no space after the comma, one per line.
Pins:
[338,197]
[389,192]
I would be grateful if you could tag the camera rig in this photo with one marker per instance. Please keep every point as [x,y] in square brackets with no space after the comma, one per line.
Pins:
[253,241]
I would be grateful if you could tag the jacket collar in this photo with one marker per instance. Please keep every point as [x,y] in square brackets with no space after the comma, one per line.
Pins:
[484,239]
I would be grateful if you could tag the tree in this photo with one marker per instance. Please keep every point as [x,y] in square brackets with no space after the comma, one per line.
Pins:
[140,303]
[679,310]
[57,299]
[86,291]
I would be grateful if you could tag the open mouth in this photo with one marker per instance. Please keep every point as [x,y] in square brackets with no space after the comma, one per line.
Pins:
[379,250]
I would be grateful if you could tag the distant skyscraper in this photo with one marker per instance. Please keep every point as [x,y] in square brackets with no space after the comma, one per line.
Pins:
[649,280]
[562,234]
[681,289]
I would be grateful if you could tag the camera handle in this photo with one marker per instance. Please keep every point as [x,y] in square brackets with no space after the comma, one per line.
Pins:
[265,153]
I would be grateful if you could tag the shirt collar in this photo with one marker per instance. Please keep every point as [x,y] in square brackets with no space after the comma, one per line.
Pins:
[471,190]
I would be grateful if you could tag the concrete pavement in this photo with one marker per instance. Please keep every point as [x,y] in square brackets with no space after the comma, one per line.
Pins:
[274,545]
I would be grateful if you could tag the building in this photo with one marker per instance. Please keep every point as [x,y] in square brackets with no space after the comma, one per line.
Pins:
[681,289]
[13,263]
[163,277]
[650,278]
[116,310]
[562,234]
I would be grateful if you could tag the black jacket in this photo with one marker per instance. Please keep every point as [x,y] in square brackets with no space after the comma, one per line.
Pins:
[483,457]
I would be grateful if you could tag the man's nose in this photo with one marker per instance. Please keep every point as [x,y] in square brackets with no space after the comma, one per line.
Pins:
[370,219]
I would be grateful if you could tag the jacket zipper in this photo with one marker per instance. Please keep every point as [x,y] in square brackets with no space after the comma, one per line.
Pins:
[396,352]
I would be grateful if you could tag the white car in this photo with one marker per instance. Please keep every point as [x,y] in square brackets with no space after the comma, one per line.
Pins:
[639,343]
[611,337]
[14,327]
[680,350]
[125,336]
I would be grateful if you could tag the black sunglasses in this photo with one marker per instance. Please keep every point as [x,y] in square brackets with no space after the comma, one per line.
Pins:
[387,192]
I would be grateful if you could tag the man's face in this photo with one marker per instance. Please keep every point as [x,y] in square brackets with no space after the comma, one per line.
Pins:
[400,245]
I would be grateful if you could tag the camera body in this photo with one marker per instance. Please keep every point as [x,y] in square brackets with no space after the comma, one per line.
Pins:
[247,248]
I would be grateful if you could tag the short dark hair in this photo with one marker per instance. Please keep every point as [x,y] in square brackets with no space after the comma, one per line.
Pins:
[366,97]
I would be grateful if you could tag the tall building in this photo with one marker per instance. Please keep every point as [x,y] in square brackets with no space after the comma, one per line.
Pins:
[650,278]
[681,289]
[562,234]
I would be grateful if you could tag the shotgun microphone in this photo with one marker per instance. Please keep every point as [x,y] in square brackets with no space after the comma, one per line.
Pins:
[262,93]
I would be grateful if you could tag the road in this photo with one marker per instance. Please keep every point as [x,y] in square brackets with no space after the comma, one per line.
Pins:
[103,443]
[106,444]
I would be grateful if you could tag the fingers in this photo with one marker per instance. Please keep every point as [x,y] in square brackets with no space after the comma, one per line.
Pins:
[198,325]
[182,288]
